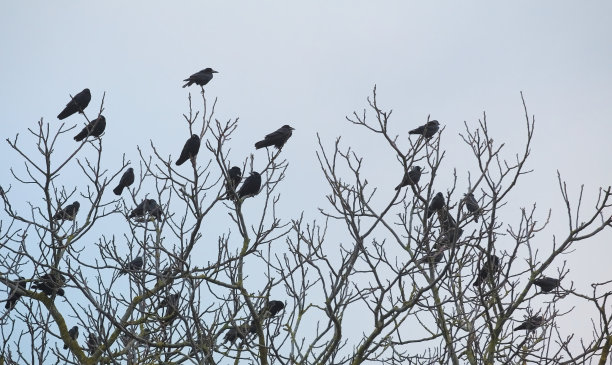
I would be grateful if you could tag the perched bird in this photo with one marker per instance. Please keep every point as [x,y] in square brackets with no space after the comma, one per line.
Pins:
[50,284]
[547,284]
[488,270]
[531,323]
[233,333]
[78,103]
[472,206]
[201,77]
[171,302]
[93,342]
[277,138]
[450,236]
[68,213]
[149,206]
[95,128]
[74,334]
[15,293]
[427,130]
[410,178]
[133,265]
[436,204]
[234,175]
[126,180]
[190,150]
[250,186]
[268,311]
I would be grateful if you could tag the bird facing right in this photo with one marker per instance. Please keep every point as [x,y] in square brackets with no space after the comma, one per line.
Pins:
[74,334]
[201,77]
[190,149]
[427,130]
[547,284]
[278,138]
[530,323]
[436,204]
[68,213]
[126,180]
[251,185]
[95,128]
[410,178]
[78,103]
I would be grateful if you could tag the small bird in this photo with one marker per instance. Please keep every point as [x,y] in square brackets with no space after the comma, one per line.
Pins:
[277,138]
[68,213]
[201,77]
[78,103]
[149,206]
[133,265]
[50,284]
[427,130]
[530,323]
[234,175]
[93,342]
[436,204]
[190,150]
[126,180]
[15,293]
[233,333]
[74,334]
[487,271]
[95,128]
[410,178]
[547,284]
[472,205]
[250,186]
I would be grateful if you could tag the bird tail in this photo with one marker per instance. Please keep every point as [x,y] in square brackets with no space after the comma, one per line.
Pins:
[261,144]
[79,137]
[477,282]
[118,190]
[398,187]
[188,83]
[181,161]
[64,114]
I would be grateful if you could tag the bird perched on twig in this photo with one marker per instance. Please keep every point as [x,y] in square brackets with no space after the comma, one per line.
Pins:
[268,311]
[94,128]
[436,204]
[547,284]
[412,177]
[74,334]
[201,77]
[234,175]
[15,293]
[126,180]
[93,342]
[250,186]
[77,104]
[277,138]
[68,213]
[472,205]
[50,283]
[235,332]
[149,206]
[132,266]
[427,130]
[190,149]
[171,302]
[530,323]
[487,271]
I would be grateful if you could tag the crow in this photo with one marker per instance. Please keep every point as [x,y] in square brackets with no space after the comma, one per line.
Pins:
[234,175]
[200,78]
[78,103]
[149,206]
[93,342]
[487,271]
[410,178]
[547,284]
[172,304]
[472,205]
[95,128]
[15,293]
[277,138]
[436,204]
[74,334]
[133,265]
[190,150]
[50,284]
[126,180]
[234,333]
[250,186]
[427,130]
[268,311]
[530,323]
[68,213]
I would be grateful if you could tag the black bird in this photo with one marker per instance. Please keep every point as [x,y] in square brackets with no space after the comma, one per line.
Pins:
[126,180]
[234,333]
[190,150]
[436,204]
[531,323]
[547,284]
[250,186]
[149,206]
[268,311]
[472,206]
[68,213]
[133,265]
[74,334]
[427,130]
[15,293]
[277,138]
[234,175]
[93,342]
[488,270]
[50,284]
[410,178]
[172,304]
[78,103]
[201,77]
[95,128]
[450,236]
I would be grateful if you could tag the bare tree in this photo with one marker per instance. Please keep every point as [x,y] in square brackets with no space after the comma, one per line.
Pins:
[181,269]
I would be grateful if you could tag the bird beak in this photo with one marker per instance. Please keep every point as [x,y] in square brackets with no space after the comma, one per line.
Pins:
[215,72]
[292,128]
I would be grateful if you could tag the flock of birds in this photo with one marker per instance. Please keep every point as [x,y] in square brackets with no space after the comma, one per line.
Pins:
[52,283]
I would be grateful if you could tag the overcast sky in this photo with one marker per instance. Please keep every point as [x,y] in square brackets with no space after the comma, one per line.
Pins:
[311,64]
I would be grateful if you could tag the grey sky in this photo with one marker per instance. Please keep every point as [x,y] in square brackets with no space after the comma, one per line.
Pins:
[310,64]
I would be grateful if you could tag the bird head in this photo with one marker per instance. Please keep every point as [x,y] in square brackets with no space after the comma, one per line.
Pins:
[435,122]
[210,70]
[416,168]
[86,91]
[130,170]
[76,204]
[286,126]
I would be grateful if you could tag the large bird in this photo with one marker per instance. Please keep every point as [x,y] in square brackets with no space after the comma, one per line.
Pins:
[436,204]
[15,293]
[234,175]
[547,284]
[74,334]
[427,130]
[411,178]
[171,302]
[133,265]
[126,180]
[530,323]
[149,206]
[233,333]
[472,205]
[50,284]
[68,213]
[95,128]
[268,311]
[488,270]
[250,186]
[277,138]
[190,149]
[201,77]
[78,103]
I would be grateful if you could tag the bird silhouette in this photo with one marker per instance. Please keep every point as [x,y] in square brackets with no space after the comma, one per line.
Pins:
[547,284]
[50,284]
[190,149]
[234,175]
[530,323]
[77,104]
[277,138]
[15,293]
[147,206]
[133,265]
[436,204]
[427,130]
[74,334]
[201,77]
[68,213]
[94,128]
[250,186]
[411,178]
[487,271]
[472,205]
[126,180]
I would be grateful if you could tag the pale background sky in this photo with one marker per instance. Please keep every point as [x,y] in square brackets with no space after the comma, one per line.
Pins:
[310,64]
